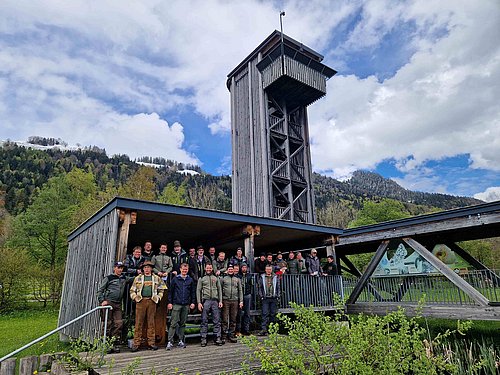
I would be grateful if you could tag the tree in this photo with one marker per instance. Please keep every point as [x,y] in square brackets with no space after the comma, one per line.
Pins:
[173,194]
[141,185]
[43,228]
[377,212]
[336,214]
[12,286]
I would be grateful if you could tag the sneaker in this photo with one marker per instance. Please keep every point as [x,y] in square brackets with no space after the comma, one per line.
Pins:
[203,342]
[169,345]
[116,349]
[135,349]
[153,347]
[219,342]
[181,344]
[233,339]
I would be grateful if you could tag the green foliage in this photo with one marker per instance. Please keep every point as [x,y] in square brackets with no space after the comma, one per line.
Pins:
[86,354]
[377,212]
[141,185]
[483,251]
[13,283]
[173,194]
[391,344]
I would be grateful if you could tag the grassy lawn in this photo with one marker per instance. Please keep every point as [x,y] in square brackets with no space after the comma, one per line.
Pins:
[18,328]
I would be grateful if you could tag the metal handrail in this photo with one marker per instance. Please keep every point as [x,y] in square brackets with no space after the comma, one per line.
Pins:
[107,308]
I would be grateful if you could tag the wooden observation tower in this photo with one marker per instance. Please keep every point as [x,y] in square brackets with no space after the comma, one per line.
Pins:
[270,91]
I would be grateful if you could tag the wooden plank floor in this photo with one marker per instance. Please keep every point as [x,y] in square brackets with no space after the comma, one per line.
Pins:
[193,359]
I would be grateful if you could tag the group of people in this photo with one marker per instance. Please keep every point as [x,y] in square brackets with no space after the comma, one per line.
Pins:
[182,281]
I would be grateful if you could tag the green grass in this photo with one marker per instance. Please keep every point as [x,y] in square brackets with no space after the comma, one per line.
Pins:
[480,330]
[18,328]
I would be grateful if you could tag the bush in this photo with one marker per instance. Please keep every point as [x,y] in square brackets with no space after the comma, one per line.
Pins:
[318,344]
[12,278]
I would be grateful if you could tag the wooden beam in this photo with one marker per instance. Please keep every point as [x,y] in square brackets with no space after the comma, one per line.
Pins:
[447,272]
[354,271]
[249,252]
[369,271]
[456,224]
[434,311]
[121,249]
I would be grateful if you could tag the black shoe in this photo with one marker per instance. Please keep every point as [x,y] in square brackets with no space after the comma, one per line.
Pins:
[116,349]
[263,333]
[153,347]
[233,339]
[135,349]
[219,342]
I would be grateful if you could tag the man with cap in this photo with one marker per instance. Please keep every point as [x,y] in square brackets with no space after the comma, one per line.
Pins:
[146,291]
[179,256]
[110,293]
[232,300]
[313,264]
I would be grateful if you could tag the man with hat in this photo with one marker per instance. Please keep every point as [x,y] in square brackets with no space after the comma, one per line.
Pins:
[146,291]
[110,293]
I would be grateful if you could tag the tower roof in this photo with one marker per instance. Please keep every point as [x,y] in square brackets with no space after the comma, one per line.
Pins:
[271,44]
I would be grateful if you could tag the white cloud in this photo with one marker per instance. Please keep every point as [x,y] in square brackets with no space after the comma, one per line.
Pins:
[489,195]
[102,73]
[442,103]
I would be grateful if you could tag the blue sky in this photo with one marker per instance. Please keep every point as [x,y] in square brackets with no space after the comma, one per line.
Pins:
[416,97]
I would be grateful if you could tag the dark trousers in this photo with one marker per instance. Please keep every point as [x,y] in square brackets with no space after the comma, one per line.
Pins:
[115,321]
[145,311]
[244,315]
[229,314]
[210,306]
[178,321]
[269,310]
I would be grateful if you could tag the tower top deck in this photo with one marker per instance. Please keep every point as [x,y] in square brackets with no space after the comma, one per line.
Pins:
[270,50]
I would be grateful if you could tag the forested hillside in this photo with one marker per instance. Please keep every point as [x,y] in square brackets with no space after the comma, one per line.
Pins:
[48,189]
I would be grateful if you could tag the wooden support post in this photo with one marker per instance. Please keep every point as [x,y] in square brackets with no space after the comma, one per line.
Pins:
[28,365]
[363,281]
[447,272]
[121,251]
[8,367]
[353,270]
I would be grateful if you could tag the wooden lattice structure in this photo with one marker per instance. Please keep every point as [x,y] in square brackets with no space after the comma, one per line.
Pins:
[270,92]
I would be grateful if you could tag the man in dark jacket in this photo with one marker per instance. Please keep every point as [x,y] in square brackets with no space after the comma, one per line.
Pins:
[179,256]
[247,282]
[110,293]
[134,261]
[260,264]
[330,268]
[198,263]
[181,298]
[269,292]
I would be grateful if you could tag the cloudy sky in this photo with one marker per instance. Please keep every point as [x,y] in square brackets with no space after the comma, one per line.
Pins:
[416,97]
